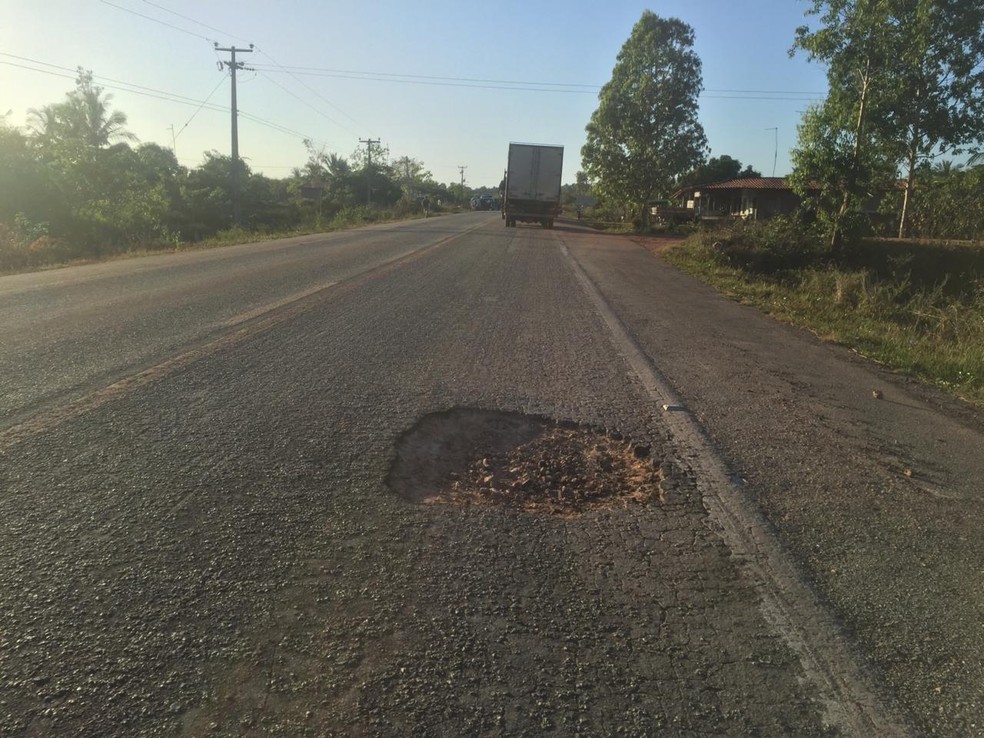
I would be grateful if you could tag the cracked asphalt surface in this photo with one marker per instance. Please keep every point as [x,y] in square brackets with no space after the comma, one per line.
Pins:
[215,551]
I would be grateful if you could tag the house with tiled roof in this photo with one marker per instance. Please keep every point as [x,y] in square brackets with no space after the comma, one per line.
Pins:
[750,198]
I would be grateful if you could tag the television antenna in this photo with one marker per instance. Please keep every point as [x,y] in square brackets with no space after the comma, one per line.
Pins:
[775,153]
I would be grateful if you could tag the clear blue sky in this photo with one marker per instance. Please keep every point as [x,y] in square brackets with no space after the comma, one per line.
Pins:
[398,72]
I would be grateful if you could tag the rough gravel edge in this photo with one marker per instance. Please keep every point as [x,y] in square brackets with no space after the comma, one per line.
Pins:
[847,693]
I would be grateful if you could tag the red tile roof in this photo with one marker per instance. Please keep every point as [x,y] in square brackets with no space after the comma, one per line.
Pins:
[749,183]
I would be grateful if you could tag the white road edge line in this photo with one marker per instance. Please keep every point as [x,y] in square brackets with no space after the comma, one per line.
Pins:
[790,606]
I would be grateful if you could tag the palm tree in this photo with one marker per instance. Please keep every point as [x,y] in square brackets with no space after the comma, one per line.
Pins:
[83,118]
[87,109]
[44,122]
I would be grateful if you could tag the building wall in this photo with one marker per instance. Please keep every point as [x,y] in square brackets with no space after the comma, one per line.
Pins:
[757,204]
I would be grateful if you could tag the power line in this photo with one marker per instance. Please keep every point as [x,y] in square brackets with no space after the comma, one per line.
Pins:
[314,92]
[123,86]
[156,20]
[302,100]
[162,96]
[174,135]
[196,22]
[482,83]
[261,51]
[393,79]
[74,73]
[401,76]
[533,85]
[276,126]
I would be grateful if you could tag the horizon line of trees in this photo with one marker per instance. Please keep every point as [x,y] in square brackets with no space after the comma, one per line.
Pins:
[76,184]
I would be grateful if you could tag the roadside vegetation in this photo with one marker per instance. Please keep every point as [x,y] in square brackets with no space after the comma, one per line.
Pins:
[645,132]
[76,186]
[23,251]
[916,306]
[885,252]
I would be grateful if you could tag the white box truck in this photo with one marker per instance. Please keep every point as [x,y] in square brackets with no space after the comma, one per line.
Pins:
[532,185]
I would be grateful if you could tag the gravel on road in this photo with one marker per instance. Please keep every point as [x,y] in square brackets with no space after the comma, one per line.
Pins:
[222,551]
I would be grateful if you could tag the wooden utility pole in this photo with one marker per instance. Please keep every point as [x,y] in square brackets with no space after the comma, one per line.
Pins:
[234,66]
[462,169]
[369,142]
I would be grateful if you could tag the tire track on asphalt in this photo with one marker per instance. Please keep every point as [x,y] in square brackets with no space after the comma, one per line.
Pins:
[849,701]
[245,326]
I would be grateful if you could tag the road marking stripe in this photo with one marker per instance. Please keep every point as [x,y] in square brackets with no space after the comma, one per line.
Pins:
[246,326]
[789,605]
[264,309]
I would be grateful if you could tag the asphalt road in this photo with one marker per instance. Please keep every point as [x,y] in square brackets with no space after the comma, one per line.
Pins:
[197,535]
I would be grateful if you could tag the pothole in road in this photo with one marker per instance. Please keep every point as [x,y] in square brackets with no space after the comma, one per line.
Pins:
[538,465]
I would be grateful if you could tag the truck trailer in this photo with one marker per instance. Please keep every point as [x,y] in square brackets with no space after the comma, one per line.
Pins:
[532,186]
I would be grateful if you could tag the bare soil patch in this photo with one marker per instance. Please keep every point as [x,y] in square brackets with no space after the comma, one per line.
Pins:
[657,243]
[475,457]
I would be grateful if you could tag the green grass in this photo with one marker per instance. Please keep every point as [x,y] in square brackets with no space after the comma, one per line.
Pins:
[917,308]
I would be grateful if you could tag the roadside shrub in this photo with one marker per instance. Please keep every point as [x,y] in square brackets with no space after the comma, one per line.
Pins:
[13,248]
[780,244]
[956,268]
[850,288]
[916,306]
[354,215]
[26,246]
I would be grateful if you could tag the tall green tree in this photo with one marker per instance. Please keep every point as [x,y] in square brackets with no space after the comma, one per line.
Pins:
[906,83]
[645,133]
[412,175]
[23,185]
[207,195]
[84,118]
[331,172]
[94,179]
[838,173]
[839,139]
[936,82]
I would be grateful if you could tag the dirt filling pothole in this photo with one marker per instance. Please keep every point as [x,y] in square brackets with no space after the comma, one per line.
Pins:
[535,464]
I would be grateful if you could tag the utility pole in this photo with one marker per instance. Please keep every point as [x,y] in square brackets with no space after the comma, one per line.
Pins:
[369,142]
[234,66]
[174,142]
[462,170]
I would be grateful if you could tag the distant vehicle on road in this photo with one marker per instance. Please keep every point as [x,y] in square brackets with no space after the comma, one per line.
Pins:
[482,202]
[532,185]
